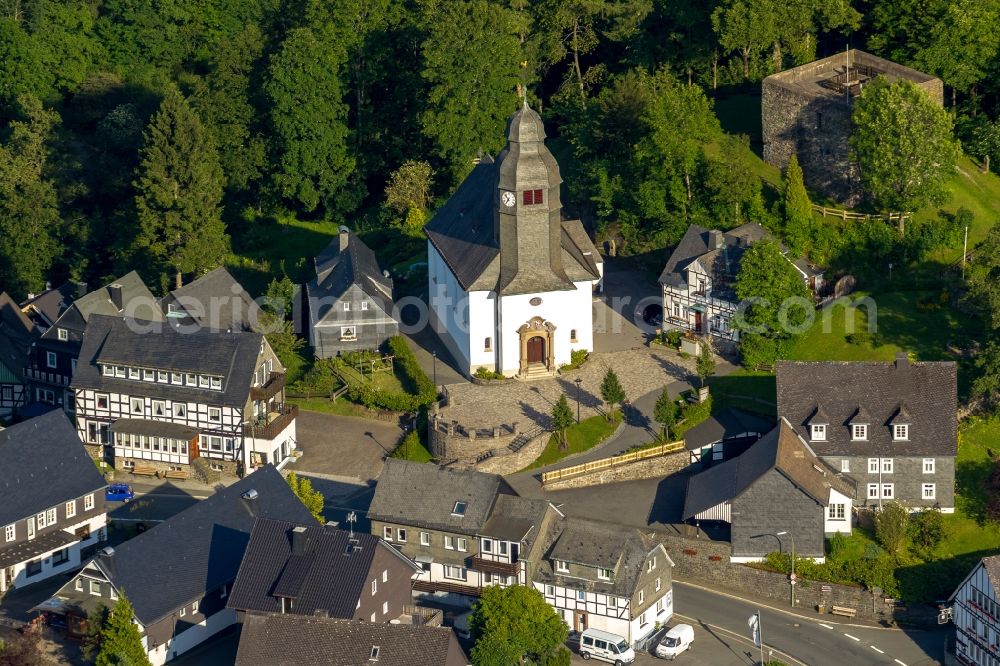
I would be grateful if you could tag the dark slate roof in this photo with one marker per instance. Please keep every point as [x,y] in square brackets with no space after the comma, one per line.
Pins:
[137,302]
[32,548]
[199,549]
[927,390]
[722,263]
[424,495]
[781,450]
[17,332]
[328,573]
[599,545]
[113,340]
[992,566]
[44,464]
[337,270]
[516,519]
[51,303]
[728,423]
[291,640]
[215,300]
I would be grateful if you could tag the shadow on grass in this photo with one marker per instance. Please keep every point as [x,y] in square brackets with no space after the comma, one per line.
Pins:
[971,478]
[928,582]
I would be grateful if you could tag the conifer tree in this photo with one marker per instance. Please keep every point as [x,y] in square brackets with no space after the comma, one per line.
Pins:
[665,413]
[179,190]
[612,392]
[122,643]
[798,208]
[562,418]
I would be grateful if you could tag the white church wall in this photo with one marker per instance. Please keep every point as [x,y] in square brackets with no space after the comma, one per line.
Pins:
[568,310]
[449,306]
[482,325]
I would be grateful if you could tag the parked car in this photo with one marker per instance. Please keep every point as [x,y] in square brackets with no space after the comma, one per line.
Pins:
[118,492]
[606,646]
[675,641]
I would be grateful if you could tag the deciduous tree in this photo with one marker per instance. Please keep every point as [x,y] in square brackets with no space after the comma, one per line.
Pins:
[891,524]
[409,187]
[178,192]
[472,80]
[311,498]
[903,144]
[963,44]
[513,624]
[309,119]
[798,218]
[705,365]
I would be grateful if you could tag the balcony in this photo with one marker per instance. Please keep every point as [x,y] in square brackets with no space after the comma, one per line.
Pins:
[490,566]
[47,377]
[442,586]
[274,384]
[270,426]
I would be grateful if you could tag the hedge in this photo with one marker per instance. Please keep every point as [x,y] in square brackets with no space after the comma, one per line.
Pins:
[421,390]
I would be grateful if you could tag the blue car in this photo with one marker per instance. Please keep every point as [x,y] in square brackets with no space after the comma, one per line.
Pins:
[118,492]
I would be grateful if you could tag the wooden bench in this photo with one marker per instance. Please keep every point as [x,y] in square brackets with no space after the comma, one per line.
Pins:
[141,470]
[176,474]
[843,611]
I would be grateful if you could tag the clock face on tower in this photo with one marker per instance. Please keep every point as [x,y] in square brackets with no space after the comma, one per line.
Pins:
[508,199]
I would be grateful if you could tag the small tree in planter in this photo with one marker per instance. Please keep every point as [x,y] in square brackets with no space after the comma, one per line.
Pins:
[562,418]
[612,392]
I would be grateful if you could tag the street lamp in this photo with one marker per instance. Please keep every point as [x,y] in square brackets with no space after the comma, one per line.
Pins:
[578,381]
[791,579]
[434,355]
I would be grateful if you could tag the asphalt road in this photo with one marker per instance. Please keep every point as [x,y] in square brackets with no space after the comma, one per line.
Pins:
[720,623]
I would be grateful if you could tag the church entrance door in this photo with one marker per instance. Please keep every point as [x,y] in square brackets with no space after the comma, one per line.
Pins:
[536,350]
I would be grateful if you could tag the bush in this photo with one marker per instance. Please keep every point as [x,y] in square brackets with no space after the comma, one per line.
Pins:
[420,389]
[673,337]
[320,380]
[483,372]
[927,530]
[891,525]
[865,339]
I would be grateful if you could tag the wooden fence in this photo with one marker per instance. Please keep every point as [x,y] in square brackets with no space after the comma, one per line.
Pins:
[851,215]
[606,463]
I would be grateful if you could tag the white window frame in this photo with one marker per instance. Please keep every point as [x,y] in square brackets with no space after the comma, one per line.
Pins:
[364,305]
[900,432]
[845,466]
[817,432]
[180,409]
[425,538]
[108,370]
[133,373]
[215,414]
[924,488]
[604,574]
[51,516]
[463,545]
[836,511]
[387,533]
[487,545]
[374,586]
[88,502]
[888,490]
[216,383]
[10,532]
[859,432]
[98,584]
[449,570]
[162,377]
[651,563]
[642,596]
[62,334]
[51,360]
[385,608]
[401,534]
[449,542]
[98,397]
[71,508]
[347,306]
[41,521]
[162,405]
[887,465]
[872,491]
[136,402]
[928,465]
[658,585]
[873,465]
[550,591]
[561,566]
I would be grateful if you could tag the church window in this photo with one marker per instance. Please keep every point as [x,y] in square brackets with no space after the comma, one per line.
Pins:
[488,345]
[572,335]
[532,197]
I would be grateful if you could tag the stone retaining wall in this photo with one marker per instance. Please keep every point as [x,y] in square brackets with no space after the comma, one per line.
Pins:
[508,462]
[642,469]
[705,562]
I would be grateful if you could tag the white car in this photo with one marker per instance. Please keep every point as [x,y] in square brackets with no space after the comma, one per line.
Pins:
[676,641]
[606,646]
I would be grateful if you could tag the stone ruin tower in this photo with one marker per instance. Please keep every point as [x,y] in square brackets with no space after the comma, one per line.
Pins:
[806,110]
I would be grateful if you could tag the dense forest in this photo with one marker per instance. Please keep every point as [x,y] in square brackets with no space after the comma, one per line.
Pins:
[166,135]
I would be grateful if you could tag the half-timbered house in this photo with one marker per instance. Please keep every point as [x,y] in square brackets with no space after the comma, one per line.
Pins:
[975,610]
[54,357]
[698,280]
[214,300]
[603,576]
[17,333]
[149,394]
[52,513]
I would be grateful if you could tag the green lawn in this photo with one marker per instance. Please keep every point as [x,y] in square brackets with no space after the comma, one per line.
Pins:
[384,380]
[412,449]
[340,406]
[581,436]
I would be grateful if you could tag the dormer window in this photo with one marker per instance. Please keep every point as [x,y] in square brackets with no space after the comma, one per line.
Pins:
[604,574]
[459,509]
[217,383]
[561,566]
[900,432]
[818,432]
[859,432]
[133,373]
[532,197]
[107,370]
[62,333]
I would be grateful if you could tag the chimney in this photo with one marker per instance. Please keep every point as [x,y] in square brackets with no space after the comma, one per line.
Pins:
[345,234]
[115,293]
[902,360]
[250,495]
[715,239]
[81,289]
[48,285]
[299,540]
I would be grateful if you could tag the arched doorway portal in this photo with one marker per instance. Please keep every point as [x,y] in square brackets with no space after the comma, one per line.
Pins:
[537,352]
[536,349]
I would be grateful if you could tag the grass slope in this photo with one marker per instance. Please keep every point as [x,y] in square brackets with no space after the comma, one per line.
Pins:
[581,436]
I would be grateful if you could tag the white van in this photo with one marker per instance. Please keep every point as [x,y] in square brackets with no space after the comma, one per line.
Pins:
[675,641]
[606,647]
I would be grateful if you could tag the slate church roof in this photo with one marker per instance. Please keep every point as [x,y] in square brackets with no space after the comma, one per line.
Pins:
[199,549]
[924,394]
[294,640]
[780,450]
[513,249]
[44,465]
[323,569]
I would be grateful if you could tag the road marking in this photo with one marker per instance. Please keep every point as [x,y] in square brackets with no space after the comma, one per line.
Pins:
[899,662]
[854,638]
[876,649]
[825,626]
[740,637]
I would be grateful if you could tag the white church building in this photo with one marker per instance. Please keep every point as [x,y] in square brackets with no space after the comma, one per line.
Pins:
[510,282]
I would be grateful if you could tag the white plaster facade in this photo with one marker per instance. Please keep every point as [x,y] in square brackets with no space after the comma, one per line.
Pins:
[608,612]
[17,574]
[191,637]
